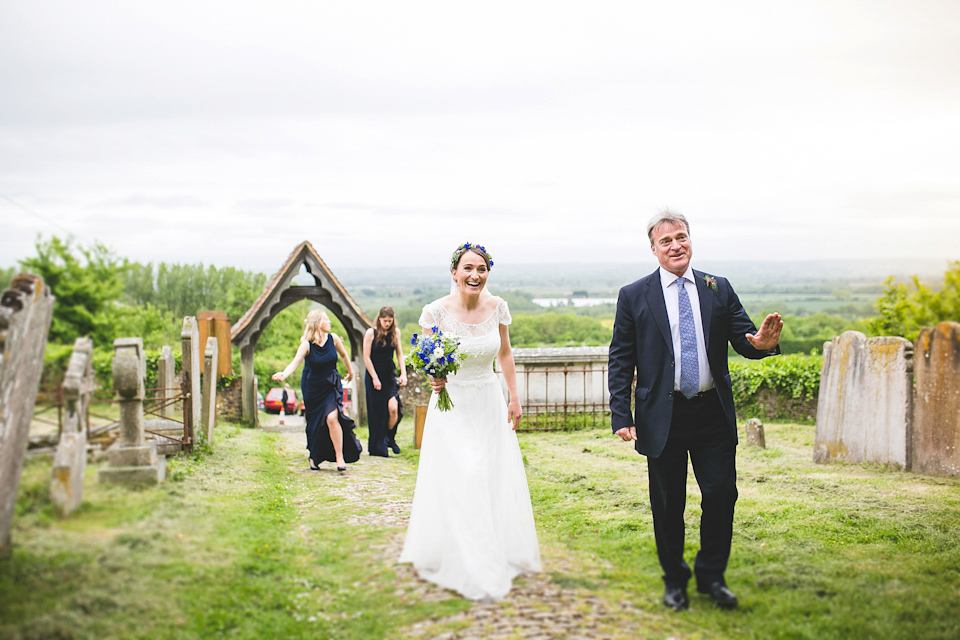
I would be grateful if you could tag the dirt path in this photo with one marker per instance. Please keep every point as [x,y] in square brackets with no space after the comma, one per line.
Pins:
[536,607]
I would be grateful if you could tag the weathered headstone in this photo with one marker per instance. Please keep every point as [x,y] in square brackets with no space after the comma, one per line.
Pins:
[191,366]
[25,312]
[754,429]
[166,380]
[936,417]
[70,460]
[132,460]
[208,415]
[864,408]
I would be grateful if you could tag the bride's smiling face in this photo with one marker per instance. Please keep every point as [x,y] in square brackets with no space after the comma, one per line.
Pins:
[471,273]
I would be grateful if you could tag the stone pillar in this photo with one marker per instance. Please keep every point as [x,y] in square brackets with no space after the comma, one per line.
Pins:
[936,417]
[132,460]
[25,312]
[167,381]
[248,392]
[864,409]
[70,460]
[190,364]
[208,411]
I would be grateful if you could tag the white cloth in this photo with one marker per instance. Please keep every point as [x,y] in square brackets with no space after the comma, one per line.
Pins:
[471,525]
[671,298]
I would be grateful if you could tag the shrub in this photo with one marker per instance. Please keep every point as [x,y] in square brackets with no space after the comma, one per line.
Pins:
[779,388]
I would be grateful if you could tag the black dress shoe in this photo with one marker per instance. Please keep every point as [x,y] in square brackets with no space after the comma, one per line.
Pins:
[395,448]
[721,595]
[676,598]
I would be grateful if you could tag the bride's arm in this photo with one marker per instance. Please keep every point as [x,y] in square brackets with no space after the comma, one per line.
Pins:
[505,356]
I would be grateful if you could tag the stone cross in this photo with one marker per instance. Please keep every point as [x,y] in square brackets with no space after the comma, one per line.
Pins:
[25,312]
[70,460]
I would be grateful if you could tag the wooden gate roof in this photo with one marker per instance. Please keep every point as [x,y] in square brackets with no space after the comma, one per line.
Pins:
[280,293]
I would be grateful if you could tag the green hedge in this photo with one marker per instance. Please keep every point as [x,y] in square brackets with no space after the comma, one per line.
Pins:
[778,388]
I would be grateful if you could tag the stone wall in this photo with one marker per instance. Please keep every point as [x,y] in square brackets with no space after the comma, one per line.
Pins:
[936,417]
[864,410]
[229,401]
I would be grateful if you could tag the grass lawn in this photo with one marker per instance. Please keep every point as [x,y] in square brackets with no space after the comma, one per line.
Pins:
[244,542]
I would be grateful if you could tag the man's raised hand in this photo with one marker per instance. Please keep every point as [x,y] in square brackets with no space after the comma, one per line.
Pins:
[769,334]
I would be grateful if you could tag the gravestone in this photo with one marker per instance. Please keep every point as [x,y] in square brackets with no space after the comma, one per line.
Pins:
[936,417]
[864,408]
[132,460]
[25,312]
[208,410]
[70,460]
[754,429]
[167,381]
[191,366]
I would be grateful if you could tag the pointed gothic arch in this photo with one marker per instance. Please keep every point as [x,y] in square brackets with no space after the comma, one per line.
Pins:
[277,296]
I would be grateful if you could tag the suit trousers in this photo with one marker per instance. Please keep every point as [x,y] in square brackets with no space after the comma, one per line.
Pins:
[698,427]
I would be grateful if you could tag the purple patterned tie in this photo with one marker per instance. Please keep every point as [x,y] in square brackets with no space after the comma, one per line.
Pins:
[689,364]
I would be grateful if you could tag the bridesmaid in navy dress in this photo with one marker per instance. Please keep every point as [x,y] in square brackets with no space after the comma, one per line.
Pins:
[383,394]
[329,431]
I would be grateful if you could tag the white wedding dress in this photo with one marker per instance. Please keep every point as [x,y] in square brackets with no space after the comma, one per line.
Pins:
[471,526]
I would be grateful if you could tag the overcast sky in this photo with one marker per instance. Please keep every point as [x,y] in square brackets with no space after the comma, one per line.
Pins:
[386,133]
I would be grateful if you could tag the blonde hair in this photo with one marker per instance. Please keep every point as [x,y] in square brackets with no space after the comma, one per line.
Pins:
[312,332]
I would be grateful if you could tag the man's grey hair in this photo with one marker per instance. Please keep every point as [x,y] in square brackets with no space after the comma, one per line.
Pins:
[667,215]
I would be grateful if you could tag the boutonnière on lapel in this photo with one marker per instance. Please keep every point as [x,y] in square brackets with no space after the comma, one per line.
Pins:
[711,282]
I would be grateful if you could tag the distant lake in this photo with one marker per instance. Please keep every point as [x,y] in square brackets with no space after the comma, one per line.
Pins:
[572,302]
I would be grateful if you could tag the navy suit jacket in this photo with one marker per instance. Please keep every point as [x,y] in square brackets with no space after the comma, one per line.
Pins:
[642,344]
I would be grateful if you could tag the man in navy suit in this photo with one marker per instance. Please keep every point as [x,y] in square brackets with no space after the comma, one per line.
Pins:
[671,330]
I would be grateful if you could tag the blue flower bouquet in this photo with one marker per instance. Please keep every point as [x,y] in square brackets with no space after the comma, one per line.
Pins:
[436,355]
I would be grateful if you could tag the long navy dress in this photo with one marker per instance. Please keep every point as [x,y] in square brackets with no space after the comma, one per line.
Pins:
[378,414]
[322,393]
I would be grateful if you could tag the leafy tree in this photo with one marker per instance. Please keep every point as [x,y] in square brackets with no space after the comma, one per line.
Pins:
[87,283]
[6,277]
[903,310]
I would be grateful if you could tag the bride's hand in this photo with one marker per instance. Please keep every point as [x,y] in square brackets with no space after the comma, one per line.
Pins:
[514,412]
[437,384]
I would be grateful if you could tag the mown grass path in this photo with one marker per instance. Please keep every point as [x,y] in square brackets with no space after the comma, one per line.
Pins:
[247,542]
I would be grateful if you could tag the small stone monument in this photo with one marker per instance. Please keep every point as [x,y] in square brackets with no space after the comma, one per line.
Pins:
[191,366]
[25,312]
[132,460]
[70,460]
[936,421]
[755,433]
[208,410]
[166,380]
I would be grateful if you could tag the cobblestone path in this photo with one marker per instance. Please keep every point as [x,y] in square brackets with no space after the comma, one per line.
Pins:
[537,606]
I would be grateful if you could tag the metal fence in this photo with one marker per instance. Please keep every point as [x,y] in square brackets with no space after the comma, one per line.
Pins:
[562,398]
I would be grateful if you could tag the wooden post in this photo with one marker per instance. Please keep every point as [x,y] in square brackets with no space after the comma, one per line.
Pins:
[421,417]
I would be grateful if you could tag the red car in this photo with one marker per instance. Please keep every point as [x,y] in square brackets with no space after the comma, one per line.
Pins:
[271,404]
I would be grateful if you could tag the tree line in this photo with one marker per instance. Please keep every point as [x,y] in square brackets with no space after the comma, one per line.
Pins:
[104,296]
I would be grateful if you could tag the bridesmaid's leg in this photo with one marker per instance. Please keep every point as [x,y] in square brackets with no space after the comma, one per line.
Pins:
[392,419]
[336,437]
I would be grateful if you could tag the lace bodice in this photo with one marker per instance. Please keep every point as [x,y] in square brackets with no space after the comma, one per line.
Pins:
[480,342]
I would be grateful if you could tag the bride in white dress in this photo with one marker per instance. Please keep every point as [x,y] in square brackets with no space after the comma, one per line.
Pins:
[471,526]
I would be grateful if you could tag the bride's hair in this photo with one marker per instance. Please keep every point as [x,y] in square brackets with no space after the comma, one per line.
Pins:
[478,249]
[388,337]
[312,332]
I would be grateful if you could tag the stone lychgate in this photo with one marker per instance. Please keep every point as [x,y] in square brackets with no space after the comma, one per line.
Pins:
[280,294]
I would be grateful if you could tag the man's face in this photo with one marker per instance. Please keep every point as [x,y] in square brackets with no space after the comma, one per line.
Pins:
[671,245]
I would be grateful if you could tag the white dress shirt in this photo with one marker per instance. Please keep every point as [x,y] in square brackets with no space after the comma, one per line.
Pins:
[671,296]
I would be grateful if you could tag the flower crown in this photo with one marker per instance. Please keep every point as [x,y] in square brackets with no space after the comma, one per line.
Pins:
[464,247]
